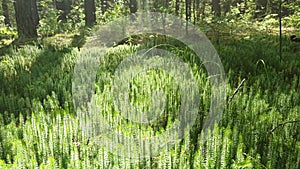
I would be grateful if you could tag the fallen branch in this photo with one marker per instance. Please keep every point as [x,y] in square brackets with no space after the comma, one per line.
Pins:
[283,124]
[236,90]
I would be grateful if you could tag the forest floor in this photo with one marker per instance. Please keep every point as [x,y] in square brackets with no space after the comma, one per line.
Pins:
[259,127]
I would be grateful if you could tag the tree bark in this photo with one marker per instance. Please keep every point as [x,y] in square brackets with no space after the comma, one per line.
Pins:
[187,14]
[104,6]
[188,10]
[227,6]
[65,7]
[216,7]
[203,5]
[197,9]
[155,6]
[90,12]
[27,18]
[261,7]
[133,6]
[177,7]
[5,13]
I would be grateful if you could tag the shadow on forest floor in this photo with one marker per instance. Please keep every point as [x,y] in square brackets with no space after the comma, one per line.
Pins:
[31,72]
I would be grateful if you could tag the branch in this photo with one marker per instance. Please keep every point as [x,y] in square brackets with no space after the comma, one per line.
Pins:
[236,90]
[283,124]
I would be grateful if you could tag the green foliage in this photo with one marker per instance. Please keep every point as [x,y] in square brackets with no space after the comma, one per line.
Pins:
[292,20]
[33,73]
[46,134]
[118,10]
[75,18]
[7,35]
[49,24]
[259,128]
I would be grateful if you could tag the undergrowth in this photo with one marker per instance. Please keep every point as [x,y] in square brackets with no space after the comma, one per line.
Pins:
[259,127]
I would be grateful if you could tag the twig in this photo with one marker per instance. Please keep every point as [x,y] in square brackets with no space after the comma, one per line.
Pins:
[283,124]
[236,90]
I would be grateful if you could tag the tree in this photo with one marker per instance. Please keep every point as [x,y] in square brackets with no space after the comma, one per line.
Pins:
[261,8]
[177,3]
[227,5]
[187,14]
[65,7]
[104,5]
[27,18]
[187,10]
[90,12]
[197,9]
[5,12]
[216,7]
[133,6]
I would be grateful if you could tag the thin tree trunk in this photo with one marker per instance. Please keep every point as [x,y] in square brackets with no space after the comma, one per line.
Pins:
[194,12]
[227,6]
[188,9]
[203,9]
[90,12]
[5,13]
[187,13]
[104,6]
[197,9]
[155,5]
[286,11]
[261,8]
[177,4]
[27,18]
[133,6]
[65,7]
[166,5]
[216,7]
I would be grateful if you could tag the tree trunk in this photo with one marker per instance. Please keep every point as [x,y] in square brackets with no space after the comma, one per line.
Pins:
[177,7]
[188,10]
[5,12]
[227,6]
[65,7]
[194,11]
[90,12]
[286,11]
[197,9]
[155,6]
[187,14]
[27,18]
[261,8]
[203,5]
[216,7]
[133,6]
[104,6]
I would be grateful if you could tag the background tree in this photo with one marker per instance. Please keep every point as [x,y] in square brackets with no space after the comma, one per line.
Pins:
[105,5]
[216,7]
[133,6]
[90,12]
[227,5]
[65,7]
[177,4]
[27,18]
[197,10]
[5,12]
[261,8]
